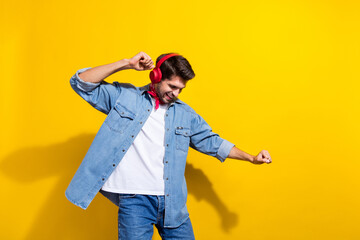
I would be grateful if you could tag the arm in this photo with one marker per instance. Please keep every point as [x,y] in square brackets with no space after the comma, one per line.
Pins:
[262,157]
[204,140]
[139,62]
[90,85]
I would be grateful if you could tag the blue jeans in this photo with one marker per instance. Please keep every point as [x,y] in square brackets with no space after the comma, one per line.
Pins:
[138,213]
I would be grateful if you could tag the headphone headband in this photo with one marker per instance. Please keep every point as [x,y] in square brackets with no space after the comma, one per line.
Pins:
[166,57]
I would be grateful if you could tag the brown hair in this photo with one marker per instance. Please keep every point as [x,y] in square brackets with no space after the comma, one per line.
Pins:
[175,66]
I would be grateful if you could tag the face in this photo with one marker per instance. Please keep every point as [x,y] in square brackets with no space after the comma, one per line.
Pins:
[169,89]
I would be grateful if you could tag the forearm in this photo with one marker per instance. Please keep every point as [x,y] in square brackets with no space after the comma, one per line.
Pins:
[97,74]
[238,154]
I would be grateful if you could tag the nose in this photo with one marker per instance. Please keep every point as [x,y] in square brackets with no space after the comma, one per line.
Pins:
[176,92]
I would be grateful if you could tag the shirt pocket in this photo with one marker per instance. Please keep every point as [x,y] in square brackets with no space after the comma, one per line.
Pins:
[119,118]
[182,135]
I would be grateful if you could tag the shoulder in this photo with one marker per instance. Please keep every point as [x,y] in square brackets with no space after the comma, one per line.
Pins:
[185,107]
[128,88]
[125,86]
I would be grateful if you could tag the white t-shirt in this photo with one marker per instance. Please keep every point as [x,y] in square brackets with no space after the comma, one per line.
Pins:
[141,170]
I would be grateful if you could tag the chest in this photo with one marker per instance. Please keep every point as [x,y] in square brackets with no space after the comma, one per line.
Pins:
[134,110]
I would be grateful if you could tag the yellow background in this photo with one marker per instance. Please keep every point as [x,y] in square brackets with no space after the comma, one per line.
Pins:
[275,75]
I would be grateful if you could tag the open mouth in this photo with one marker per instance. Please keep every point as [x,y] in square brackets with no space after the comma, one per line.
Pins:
[168,97]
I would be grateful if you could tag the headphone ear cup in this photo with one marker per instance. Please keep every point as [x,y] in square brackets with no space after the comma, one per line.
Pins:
[155,75]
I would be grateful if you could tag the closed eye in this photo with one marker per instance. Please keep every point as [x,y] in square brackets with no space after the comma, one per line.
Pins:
[175,87]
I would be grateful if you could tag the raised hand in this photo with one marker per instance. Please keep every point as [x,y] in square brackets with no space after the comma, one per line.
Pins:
[141,62]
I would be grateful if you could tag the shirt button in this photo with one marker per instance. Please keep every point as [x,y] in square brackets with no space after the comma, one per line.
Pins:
[167,195]
[114,165]
[132,136]
[148,110]
[123,150]
[140,122]
[167,114]
[167,178]
[167,145]
[103,179]
[166,162]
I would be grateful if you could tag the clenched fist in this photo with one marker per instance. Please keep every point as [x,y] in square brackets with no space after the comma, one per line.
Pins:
[262,157]
[141,62]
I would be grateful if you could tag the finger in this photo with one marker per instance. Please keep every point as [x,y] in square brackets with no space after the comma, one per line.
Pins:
[146,61]
[147,64]
[139,56]
[265,153]
[148,67]
[147,56]
[151,61]
[264,159]
[143,57]
[268,160]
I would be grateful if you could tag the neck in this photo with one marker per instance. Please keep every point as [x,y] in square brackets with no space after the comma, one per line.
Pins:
[153,90]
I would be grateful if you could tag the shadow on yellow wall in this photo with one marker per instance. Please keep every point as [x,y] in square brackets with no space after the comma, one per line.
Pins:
[58,218]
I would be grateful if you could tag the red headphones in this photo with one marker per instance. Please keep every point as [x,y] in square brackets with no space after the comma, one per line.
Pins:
[155,74]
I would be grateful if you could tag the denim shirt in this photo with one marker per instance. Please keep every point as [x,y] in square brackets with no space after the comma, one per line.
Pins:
[127,108]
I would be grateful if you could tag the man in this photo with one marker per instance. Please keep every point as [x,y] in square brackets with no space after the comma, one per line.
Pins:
[138,157]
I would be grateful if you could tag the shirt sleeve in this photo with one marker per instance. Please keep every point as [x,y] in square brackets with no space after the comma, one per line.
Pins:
[204,140]
[102,96]
[81,84]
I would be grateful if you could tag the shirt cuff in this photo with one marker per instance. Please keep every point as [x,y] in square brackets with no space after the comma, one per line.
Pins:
[224,150]
[81,84]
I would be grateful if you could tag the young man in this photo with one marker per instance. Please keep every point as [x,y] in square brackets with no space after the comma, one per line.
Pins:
[138,157]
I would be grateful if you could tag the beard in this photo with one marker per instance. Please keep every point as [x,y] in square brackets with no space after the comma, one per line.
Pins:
[164,97]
